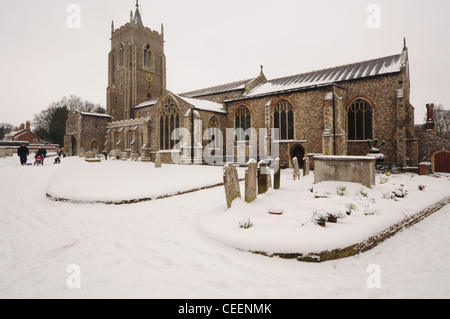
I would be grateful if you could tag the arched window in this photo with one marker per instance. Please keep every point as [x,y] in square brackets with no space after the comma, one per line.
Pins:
[129,140]
[147,57]
[360,121]
[94,145]
[169,121]
[283,120]
[214,131]
[244,122]
[121,54]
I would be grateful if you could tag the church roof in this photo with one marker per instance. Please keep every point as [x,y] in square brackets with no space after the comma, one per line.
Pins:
[234,86]
[380,66]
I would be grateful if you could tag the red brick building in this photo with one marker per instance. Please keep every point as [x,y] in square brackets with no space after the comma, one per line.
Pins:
[23,134]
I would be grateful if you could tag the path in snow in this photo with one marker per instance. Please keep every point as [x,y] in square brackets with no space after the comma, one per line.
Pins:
[155,250]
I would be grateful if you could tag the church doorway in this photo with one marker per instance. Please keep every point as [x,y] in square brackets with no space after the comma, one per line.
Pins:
[74,150]
[298,152]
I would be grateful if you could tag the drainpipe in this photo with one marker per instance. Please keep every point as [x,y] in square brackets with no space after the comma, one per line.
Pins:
[192,136]
[334,123]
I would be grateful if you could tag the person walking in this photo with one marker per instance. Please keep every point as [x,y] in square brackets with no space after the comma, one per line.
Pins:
[23,153]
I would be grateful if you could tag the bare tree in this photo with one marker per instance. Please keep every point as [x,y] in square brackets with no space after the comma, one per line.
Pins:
[50,123]
[442,121]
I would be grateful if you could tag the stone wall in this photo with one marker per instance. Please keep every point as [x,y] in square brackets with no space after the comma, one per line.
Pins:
[430,143]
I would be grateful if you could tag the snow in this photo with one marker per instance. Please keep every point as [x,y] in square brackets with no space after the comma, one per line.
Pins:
[159,249]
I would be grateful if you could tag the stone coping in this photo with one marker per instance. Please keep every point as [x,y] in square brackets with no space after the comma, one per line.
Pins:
[345,158]
[366,245]
[133,201]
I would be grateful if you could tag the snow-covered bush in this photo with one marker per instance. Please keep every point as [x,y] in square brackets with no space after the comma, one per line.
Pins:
[400,192]
[341,190]
[370,211]
[246,224]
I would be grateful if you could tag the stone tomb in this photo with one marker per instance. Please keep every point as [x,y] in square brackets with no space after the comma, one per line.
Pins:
[353,169]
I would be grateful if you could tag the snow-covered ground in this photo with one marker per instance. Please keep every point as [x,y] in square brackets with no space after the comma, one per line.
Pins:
[159,249]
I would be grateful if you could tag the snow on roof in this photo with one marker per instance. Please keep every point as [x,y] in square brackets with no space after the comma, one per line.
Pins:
[147,103]
[386,65]
[95,114]
[204,105]
[239,85]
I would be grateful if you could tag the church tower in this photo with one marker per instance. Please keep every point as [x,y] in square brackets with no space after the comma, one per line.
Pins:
[136,68]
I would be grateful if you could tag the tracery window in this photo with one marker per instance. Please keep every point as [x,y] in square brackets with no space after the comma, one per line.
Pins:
[121,55]
[169,121]
[94,145]
[283,120]
[129,140]
[360,121]
[147,57]
[214,131]
[243,122]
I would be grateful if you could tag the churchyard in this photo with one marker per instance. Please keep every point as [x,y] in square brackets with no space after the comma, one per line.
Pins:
[136,229]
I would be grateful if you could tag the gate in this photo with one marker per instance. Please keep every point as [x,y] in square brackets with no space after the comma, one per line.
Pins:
[441,162]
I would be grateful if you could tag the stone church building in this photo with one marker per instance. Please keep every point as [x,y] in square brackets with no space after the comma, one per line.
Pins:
[332,111]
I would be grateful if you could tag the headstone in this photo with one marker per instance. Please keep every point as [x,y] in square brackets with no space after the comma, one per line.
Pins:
[113,155]
[262,177]
[251,181]
[124,156]
[135,157]
[90,155]
[158,162]
[277,174]
[231,183]
[269,178]
[306,167]
[296,169]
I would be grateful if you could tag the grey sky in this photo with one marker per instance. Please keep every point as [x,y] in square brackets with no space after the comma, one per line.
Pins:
[211,42]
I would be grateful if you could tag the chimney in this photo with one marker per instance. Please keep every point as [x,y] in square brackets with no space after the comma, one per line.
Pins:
[430,125]
[28,125]
[22,126]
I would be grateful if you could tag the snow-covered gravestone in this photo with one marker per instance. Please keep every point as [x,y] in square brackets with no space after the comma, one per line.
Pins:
[306,167]
[296,169]
[251,178]
[231,183]
[262,177]
[134,157]
[158,162]
[277,174]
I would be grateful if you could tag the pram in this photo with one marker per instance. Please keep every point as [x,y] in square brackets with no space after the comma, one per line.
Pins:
[38,160]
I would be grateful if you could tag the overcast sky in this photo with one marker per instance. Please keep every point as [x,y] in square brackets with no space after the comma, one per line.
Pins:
[210,42]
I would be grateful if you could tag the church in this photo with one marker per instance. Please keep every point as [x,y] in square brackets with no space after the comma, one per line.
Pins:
[334,111]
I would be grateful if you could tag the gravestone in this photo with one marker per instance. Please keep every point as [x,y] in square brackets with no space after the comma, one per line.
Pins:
[124,156]
[90,155]
[306,167]
[113,155]
[251,184]
[296,169]
[158,162]
[277,174]
[262,177]
[134,157]
[231,183]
